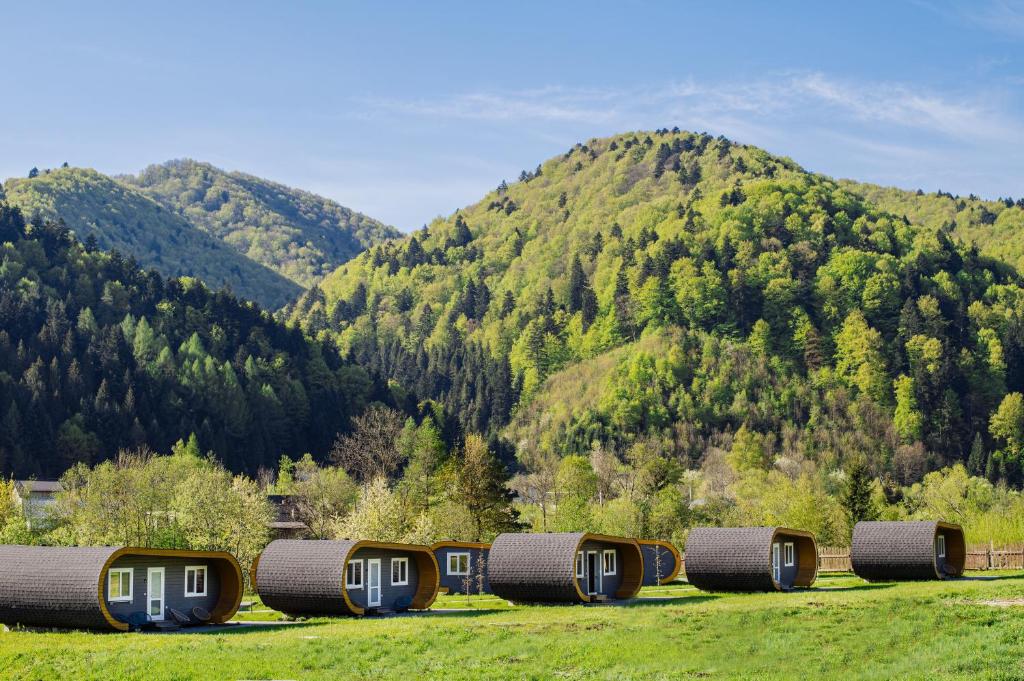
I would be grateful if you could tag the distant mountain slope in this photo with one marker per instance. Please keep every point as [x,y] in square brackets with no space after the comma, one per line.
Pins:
[997,227]
[97,355]
[118,216]
[796,317]
[298,234]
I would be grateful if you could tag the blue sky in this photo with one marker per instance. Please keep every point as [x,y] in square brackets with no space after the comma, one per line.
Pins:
[406,111]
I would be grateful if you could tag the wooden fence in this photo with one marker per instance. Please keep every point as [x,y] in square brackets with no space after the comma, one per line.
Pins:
[979,557]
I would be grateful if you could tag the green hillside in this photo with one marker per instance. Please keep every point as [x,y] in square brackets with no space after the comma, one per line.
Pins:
[997,227]
[97,355]
[297,234]
[754,311]
[118,216]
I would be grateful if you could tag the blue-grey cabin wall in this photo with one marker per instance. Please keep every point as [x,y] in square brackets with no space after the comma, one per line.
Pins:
[174,587]
[788,572]
[653,571]
[456,583]
[390,593]
[607,584]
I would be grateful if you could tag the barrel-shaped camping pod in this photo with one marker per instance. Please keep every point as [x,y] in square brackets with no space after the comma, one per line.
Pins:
[907,550]
[116,588]
[662,561]
[316,577]
[750,558]
[463,566]
[571,567]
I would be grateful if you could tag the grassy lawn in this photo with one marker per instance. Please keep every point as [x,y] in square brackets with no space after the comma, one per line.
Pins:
[843,628]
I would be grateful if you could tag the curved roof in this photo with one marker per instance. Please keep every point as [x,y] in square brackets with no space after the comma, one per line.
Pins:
[671,548]
[541,567]
[739,558]
[898,550]
[307,576]
[57,586]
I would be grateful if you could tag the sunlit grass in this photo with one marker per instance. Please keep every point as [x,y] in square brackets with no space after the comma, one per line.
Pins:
[844,628]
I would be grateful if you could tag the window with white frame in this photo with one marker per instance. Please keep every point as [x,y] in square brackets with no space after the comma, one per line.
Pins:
[789,554]
[195,581]
[940,542]
[399,571]
[608,564]
[354,575]
[458,563]
[119,585]
[579,563]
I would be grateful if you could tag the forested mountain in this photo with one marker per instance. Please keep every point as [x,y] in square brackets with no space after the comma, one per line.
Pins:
[997,227]
[96,354]
[116,216]
[295,233]
[682,295]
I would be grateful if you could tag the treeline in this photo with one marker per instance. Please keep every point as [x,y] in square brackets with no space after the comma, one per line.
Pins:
[97,355]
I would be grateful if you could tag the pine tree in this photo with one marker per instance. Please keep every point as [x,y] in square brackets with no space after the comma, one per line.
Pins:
[577,285]
[856,497]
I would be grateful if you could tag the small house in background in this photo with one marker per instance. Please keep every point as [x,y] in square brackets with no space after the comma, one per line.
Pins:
[907,550]
[571,567]
[750,558]
[662,561]
[319,577]
[36,498]
[116,588]
[286,523]
[463,566]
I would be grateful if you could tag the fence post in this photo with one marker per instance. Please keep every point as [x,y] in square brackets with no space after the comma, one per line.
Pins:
[991,550]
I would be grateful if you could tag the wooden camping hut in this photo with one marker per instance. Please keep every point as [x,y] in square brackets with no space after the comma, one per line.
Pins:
[572,567]
[907,550]
[750,558]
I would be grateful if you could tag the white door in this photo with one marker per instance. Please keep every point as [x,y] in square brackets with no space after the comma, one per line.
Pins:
[776,563]
[155,593]
[373,582]
[594,572]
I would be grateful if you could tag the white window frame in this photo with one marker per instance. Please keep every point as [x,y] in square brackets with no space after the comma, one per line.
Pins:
[458,555]
[349,584]
[131,584]
[789,551]
[605,562]
[404,562]
[206,581]
[580,568]
[940,541]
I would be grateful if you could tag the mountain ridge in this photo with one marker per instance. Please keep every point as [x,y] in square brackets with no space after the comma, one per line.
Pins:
[808,288]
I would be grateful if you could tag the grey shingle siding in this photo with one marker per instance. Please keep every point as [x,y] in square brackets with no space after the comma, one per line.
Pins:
[52,586]
[302,577]
[903,550]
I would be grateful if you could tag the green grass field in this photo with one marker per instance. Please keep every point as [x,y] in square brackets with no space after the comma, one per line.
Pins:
[843,628]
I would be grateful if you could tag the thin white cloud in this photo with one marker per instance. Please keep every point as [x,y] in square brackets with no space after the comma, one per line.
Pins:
[783,96]
[1005,17]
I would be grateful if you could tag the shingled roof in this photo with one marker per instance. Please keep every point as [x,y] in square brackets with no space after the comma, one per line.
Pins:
[49,586]
[307,576]
[739,558]
[541,567]
[905,550]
